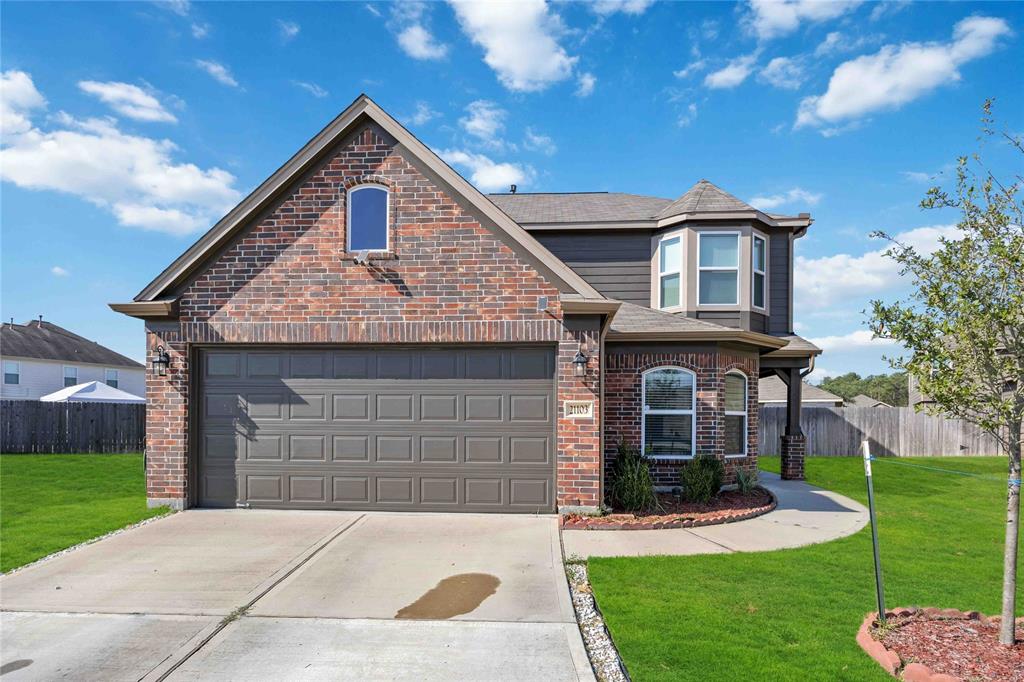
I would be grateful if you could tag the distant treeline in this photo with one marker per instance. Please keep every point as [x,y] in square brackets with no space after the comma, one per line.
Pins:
[889,388]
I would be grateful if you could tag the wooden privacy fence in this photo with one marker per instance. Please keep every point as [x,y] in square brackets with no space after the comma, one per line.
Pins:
[892,431]
[33,426]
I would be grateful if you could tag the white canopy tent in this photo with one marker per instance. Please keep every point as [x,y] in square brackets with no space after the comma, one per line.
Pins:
[91,392]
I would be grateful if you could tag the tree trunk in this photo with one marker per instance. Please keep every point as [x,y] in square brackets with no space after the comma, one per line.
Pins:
[1007,630]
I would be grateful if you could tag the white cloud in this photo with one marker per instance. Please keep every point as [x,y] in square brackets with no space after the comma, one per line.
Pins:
[485,121]
[128,100]
[732,74]
[311,88]
[423,114]
[585,84]
[774,18]
[486,174]
[289,29]
[59,271]
[18,99]
[789,197]
[861,338]
[882,9]
[200,29]
[836,43]
[520,41]
[607,7]
[539,142]
[218,72]
[691,68]
[709,29]
[783,72]
[409,23]
[896,75]
[917,176]
[822,282]
[134,177]
[179,7]
[372,10]
[688,116]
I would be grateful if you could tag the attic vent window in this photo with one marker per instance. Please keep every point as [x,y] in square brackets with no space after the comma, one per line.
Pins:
[368,218]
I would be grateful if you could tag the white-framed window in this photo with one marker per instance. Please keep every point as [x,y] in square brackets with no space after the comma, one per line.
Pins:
[12,372]
[110,377]
[759,268]
[718,267]
[670,268]
[735,414]
[367,219]
[70,375]
[668,428]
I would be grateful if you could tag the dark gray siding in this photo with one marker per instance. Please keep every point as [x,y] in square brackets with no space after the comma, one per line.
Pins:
[740,319]
[779,285]
[618,264]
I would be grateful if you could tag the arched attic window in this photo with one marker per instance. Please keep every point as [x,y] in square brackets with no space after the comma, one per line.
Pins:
[368,218]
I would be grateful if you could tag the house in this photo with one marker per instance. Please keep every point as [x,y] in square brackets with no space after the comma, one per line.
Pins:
[772,391]
[861,400]
[366,330]
[914,395]
[40,357]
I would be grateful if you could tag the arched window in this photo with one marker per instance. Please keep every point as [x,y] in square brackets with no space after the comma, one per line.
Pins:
[368,218]
[735,414]
[668,430]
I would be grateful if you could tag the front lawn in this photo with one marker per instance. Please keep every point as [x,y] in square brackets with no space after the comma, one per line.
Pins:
[793,614]
[49,502]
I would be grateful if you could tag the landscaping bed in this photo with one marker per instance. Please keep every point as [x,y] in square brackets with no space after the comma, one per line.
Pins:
[675,512]
[919,645]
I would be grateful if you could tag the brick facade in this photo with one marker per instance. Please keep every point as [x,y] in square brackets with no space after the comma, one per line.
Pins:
[286,279]
[624,404]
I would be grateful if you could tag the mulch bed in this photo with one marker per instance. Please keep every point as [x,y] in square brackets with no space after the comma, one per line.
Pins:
[943,645]
[729,506]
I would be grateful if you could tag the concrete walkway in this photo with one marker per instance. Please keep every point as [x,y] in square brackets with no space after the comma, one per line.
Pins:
[805,515]
[283,595]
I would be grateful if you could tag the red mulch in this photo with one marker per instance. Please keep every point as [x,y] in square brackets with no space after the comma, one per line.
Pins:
[730,505]
[964,645]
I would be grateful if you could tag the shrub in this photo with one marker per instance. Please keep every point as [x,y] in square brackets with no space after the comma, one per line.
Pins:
[632,488]
[702,478]
[746,481]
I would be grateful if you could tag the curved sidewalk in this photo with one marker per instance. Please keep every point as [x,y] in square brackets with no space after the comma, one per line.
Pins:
[805,515]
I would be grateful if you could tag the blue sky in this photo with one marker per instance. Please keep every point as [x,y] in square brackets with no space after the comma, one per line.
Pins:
[129,128]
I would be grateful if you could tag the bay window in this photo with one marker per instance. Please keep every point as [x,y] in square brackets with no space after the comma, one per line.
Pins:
[718,268]
[668,427]
[735,414]
[670,270]
[758,266]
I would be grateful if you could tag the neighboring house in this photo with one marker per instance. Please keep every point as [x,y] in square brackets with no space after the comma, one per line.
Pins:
[772,391]
[914,395]
[366,330]
[861,400]
[39,358]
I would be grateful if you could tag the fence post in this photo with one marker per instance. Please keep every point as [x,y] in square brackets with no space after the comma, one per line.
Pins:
[879,589]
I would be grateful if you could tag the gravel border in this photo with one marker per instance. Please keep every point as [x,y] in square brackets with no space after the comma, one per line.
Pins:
[604,657]
[72,548]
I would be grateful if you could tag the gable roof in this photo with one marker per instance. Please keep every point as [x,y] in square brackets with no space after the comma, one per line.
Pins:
[772,389]
[46,341]
[705,197]
[361,111]
[861,400]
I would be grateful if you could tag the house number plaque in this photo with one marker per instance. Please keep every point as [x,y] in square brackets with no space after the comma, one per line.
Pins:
[579,409]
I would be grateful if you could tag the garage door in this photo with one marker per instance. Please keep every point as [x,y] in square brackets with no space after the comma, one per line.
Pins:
[445,429]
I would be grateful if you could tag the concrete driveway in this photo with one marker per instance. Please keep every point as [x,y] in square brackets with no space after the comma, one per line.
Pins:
[246,594]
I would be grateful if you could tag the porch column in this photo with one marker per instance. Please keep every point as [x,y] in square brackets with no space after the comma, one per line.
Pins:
[794,444]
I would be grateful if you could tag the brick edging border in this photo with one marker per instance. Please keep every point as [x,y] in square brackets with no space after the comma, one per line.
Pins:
[593,522]
[891,661]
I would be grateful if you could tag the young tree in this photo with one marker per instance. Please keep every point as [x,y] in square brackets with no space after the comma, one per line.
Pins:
[963,325]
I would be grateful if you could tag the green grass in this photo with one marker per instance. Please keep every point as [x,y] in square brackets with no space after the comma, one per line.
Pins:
[50,502]
[793,614]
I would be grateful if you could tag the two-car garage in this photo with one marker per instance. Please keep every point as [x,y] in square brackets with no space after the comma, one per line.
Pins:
[460,428]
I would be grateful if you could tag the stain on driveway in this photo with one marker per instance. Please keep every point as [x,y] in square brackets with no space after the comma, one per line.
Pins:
[453,596]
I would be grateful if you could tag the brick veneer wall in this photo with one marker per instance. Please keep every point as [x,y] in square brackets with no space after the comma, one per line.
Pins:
[287,279]
[624,405]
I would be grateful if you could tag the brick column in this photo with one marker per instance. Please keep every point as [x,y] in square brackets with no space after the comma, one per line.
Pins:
[793,450]
[167,421]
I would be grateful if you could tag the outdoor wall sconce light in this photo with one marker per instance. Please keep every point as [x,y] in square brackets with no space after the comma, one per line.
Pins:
[161,361]
[579,364]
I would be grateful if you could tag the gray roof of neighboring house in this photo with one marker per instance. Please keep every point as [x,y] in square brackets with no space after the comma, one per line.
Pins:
[46,341]
[578,207]
[773,389]
[632,318]
[610,207]
[861,400]
[797,344]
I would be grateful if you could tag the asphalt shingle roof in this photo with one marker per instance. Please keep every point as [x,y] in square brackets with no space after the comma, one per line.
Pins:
[773,389]
[47,341]
[580,207]
[704,197]
[632,319]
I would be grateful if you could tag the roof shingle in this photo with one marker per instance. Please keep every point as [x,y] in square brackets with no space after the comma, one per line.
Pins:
[47,341]
[579,207]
